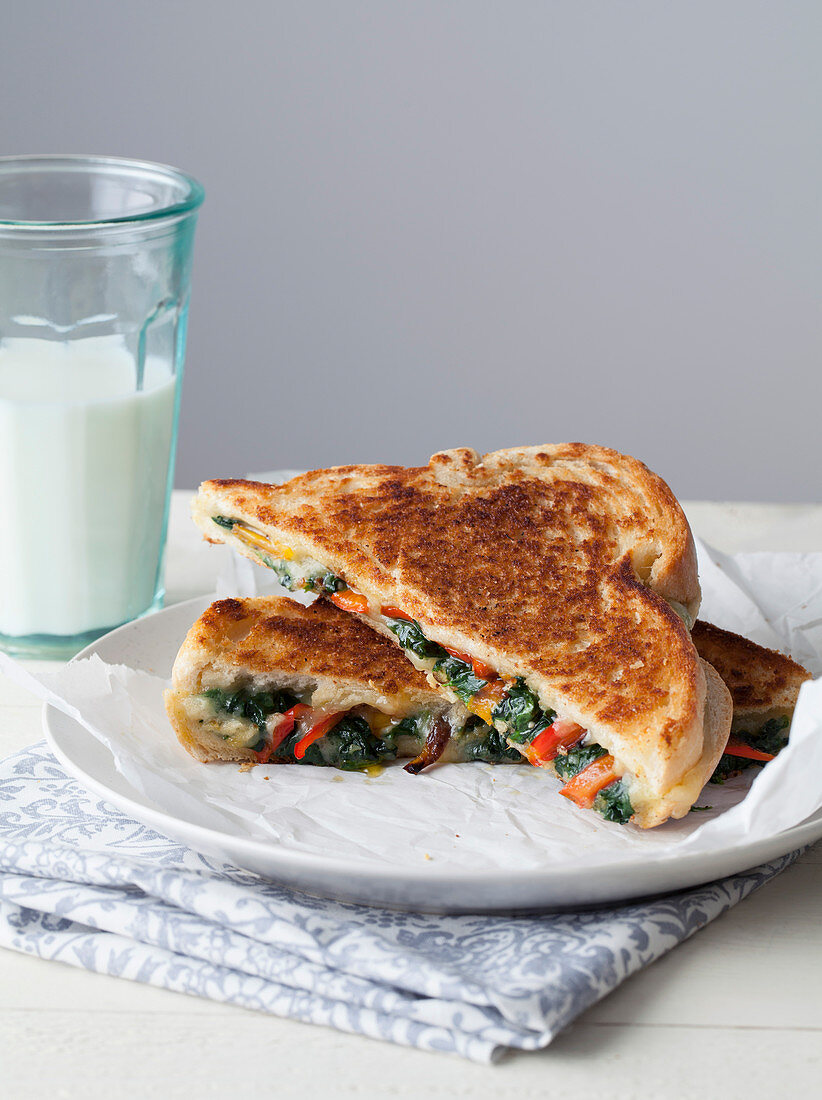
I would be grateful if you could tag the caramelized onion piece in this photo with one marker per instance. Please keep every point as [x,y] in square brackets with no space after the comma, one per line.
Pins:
[433,748]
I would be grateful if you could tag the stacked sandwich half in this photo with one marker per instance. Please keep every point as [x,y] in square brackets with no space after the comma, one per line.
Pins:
[535,604]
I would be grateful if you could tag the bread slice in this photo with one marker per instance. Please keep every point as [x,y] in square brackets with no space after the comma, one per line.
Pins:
[763,683]
[240,651]
[567,567]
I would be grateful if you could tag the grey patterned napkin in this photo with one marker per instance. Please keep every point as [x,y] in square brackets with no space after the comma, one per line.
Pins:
[84,884]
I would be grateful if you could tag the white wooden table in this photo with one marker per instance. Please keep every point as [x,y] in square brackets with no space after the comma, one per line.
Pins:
[735,1012]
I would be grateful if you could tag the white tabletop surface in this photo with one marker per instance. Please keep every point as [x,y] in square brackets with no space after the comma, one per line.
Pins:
[734,1012]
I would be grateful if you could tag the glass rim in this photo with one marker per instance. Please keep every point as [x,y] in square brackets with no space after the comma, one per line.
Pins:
[195,192]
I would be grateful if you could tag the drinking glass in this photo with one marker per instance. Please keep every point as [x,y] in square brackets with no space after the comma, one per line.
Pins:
[95,262]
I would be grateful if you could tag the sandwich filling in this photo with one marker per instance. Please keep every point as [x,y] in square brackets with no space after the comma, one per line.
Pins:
[302,574]
[277,727]
[746,750]
[593,778]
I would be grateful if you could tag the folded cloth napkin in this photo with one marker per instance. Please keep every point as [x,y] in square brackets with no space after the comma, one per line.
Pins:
[82,883]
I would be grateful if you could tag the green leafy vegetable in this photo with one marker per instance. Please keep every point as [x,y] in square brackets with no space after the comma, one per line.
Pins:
[544,720]
[570,763]
[255,706]
[519,709]
[487,744]
[614,803]
[409,727]
[324,582]
[351,746]
[460,677]
[771,738]
[411,637]
[224,521]
[728,767]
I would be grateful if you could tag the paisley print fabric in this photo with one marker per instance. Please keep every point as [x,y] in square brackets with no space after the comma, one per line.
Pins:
[83,884]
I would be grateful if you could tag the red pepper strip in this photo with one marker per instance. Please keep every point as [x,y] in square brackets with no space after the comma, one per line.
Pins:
[282,730]
[316,732]
[739,748]
[395,613]
[350,601]
[483,671]
[279,734]
[560,735]
[458,654]
[587,784]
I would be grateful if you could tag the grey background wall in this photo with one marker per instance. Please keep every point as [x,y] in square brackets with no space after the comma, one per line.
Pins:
[442,223]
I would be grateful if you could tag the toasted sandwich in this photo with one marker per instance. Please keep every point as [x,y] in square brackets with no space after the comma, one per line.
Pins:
[269,680]
[549,590]
[764,686]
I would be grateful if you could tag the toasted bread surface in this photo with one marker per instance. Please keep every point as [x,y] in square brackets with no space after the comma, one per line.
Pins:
[554,563]
[763,682]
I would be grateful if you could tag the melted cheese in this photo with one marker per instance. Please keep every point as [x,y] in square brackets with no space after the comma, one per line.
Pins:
[276,554]
[259,541]
[235,730]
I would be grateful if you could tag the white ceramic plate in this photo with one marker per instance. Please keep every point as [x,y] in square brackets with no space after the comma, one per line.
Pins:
[151,644]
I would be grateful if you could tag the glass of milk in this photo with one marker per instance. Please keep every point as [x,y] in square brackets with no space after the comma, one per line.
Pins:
[95,259]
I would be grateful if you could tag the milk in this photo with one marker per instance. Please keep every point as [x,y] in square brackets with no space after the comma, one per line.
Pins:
[84,464]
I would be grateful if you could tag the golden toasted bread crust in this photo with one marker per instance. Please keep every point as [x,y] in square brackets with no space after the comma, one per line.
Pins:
[763,683]
[552,562]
